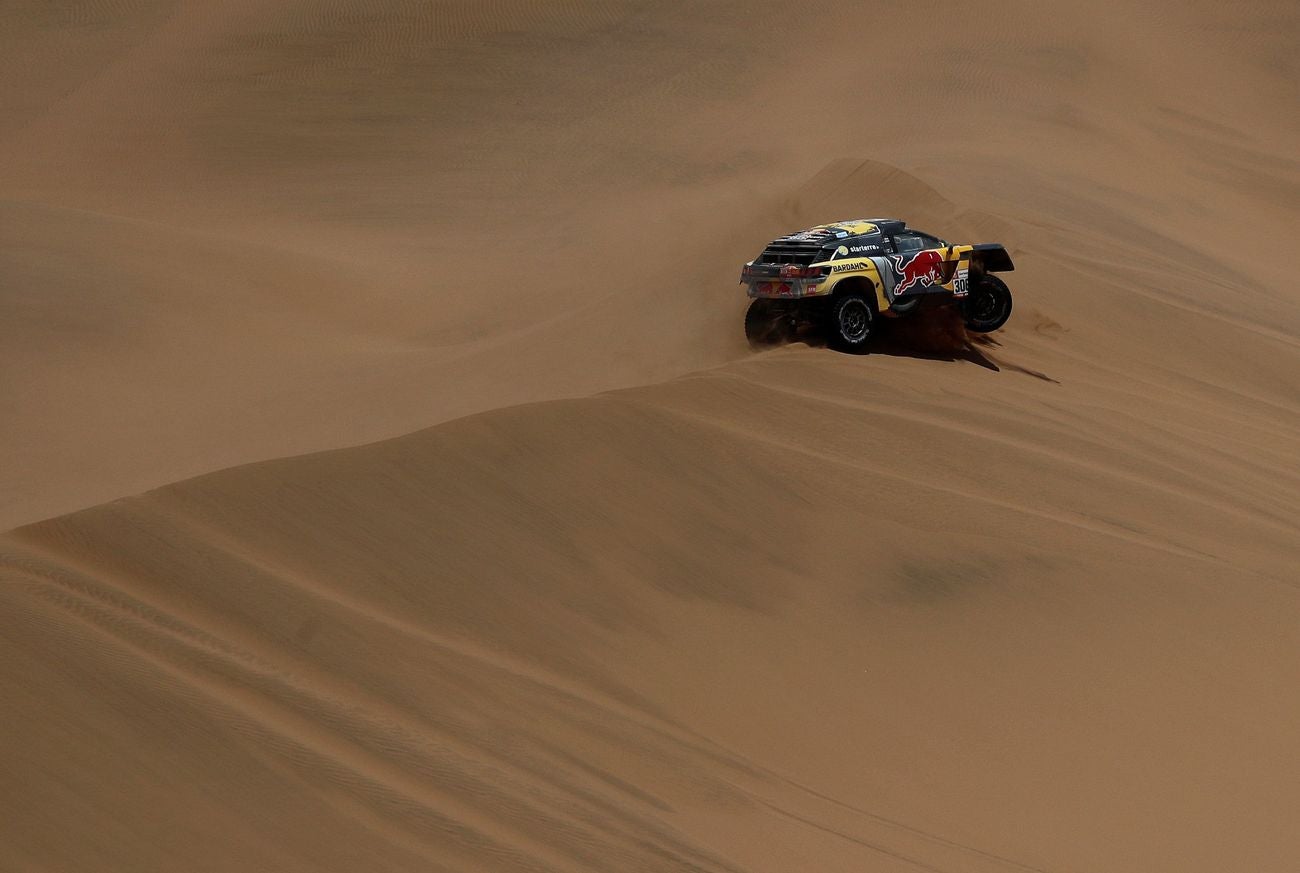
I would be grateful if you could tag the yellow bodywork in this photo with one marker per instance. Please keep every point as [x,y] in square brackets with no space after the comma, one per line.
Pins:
[955,262]
[852,228]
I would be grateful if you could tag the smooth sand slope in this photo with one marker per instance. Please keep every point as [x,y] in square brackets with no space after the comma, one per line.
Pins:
[1024,605]
[242,230]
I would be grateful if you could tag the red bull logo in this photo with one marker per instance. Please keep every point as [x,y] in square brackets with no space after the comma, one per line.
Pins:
[922,268]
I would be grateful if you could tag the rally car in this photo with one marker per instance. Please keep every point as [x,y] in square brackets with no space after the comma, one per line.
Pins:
[844,277]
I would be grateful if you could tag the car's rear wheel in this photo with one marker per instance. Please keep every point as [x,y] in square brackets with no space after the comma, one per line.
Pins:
[852,322]
[988,306]
[768,323]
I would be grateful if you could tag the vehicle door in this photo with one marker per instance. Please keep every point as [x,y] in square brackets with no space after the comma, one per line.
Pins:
[920,264]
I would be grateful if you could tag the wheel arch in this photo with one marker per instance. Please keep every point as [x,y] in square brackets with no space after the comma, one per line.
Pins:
[991,258]
[864,285]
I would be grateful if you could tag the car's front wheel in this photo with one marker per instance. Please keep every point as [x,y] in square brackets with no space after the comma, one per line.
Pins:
[988,306]
[852,322]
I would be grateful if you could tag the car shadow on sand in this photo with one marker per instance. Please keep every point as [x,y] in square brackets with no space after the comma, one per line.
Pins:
[940,335]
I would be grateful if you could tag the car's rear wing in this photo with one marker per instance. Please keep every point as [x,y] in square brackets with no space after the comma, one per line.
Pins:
[993,257]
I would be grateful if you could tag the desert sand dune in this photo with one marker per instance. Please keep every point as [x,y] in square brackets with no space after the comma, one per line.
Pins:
[667,629]
[482,185]
[560,576]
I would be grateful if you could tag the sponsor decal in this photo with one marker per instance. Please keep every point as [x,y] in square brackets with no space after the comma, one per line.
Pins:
[923,268]
[841,252]
[848,268]
[856,249]
[809,235]
[961,283]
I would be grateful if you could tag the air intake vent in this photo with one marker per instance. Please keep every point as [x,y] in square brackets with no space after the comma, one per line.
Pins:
[789,252]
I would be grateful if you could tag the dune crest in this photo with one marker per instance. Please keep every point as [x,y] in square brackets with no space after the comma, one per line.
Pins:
[392,489]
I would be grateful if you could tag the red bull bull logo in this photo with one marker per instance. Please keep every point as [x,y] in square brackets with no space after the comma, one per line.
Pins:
[923,268]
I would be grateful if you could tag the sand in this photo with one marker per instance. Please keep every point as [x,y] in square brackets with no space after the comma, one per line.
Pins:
[506,553]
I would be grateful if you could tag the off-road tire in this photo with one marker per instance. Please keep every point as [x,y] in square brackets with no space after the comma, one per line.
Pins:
[851,323]
[907,306]
[767,323]
[988,306]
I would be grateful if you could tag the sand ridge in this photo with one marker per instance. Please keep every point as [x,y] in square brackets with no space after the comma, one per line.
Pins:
[516,558]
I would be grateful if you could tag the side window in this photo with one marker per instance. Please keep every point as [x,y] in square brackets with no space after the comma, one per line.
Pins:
[865,246]
[908,242]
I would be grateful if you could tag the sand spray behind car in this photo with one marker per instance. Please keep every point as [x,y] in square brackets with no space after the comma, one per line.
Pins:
[939,331]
